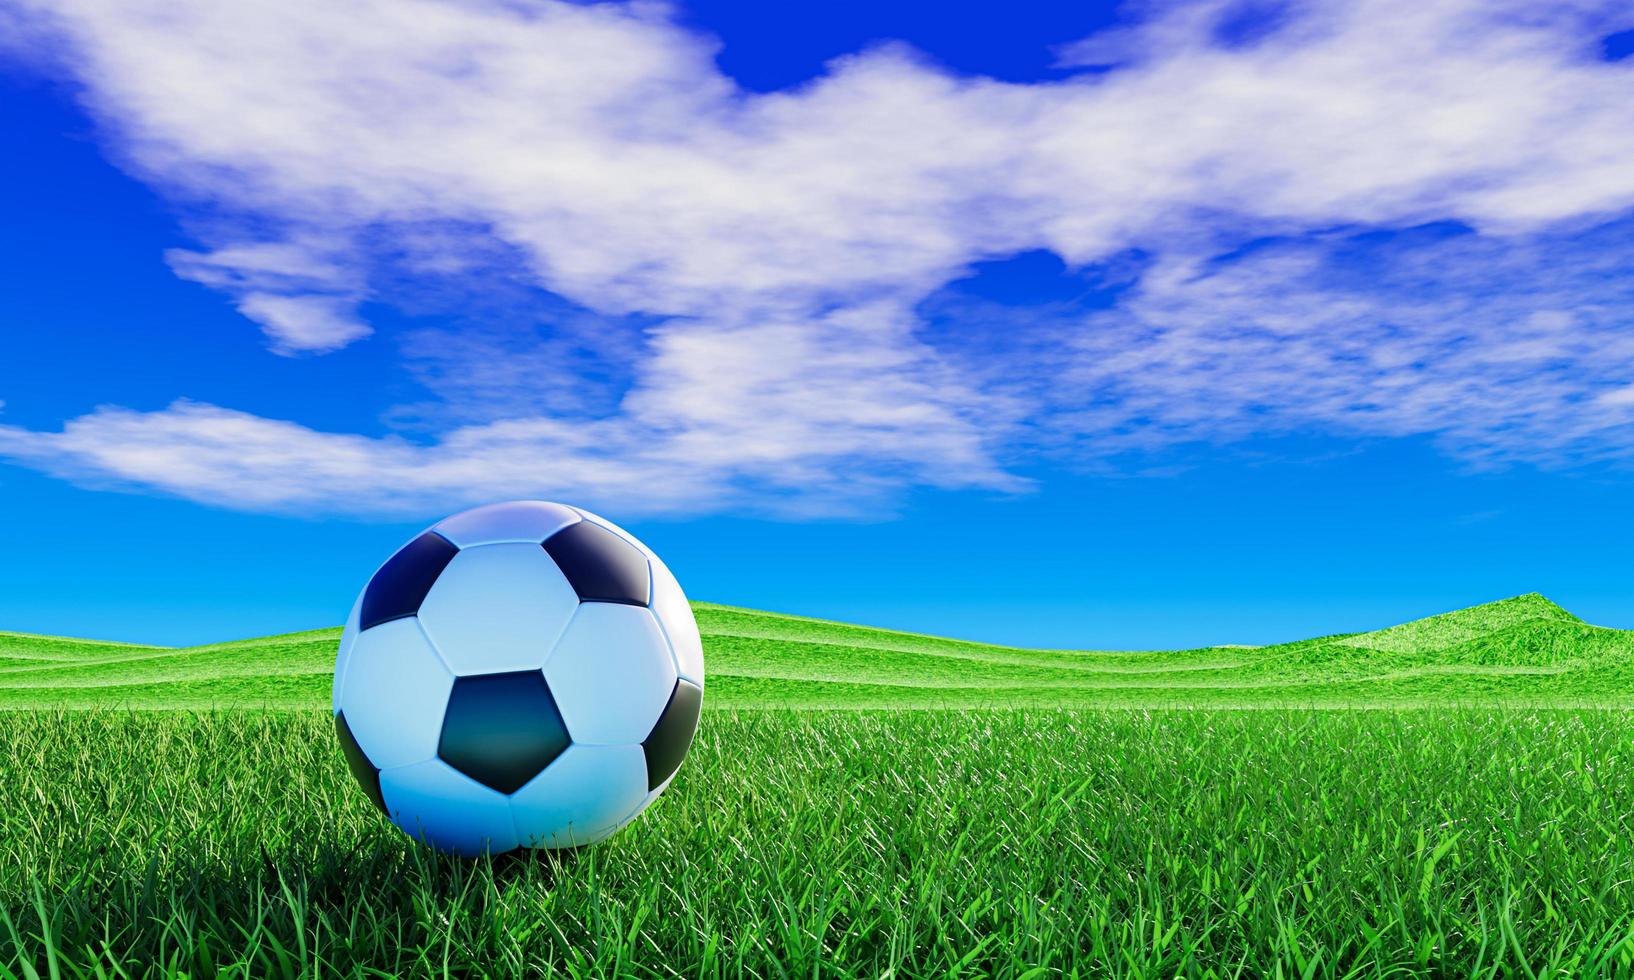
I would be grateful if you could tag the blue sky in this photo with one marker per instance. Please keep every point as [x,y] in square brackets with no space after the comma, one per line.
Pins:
[1079,326]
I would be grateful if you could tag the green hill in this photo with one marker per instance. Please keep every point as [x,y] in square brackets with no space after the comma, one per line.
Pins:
[1524,650]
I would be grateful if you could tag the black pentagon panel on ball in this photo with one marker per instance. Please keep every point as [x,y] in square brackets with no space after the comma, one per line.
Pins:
[600,565]
[368,776]
[672,736]
[502,729]
[401,584]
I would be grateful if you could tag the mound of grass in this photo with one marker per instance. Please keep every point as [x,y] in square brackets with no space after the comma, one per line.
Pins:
[1464,626]
[1524,650]
[851,844]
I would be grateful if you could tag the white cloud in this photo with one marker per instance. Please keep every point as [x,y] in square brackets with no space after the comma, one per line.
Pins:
[1500,350]
[744,416]
[782,237]
[603,141]
[303,323]
[1618,397]
[304,300]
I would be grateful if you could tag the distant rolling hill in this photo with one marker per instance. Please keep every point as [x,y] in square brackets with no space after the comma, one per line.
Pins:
[1524,650]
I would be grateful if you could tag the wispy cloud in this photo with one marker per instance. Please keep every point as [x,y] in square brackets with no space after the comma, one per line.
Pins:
[1500,349]
[304,299]
[776,243]
[781,418]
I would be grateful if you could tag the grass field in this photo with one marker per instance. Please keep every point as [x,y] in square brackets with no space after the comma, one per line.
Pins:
[1522,651]
[1480,826]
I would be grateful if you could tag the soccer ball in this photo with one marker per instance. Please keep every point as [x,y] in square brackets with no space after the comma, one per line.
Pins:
[519,675]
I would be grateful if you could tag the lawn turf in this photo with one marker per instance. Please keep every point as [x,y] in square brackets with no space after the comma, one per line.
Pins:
[1473,820]
[1428,842]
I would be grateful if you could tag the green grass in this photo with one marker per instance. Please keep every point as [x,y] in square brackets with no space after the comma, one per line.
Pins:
[1522,651]
[841,844]
[1083,814]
